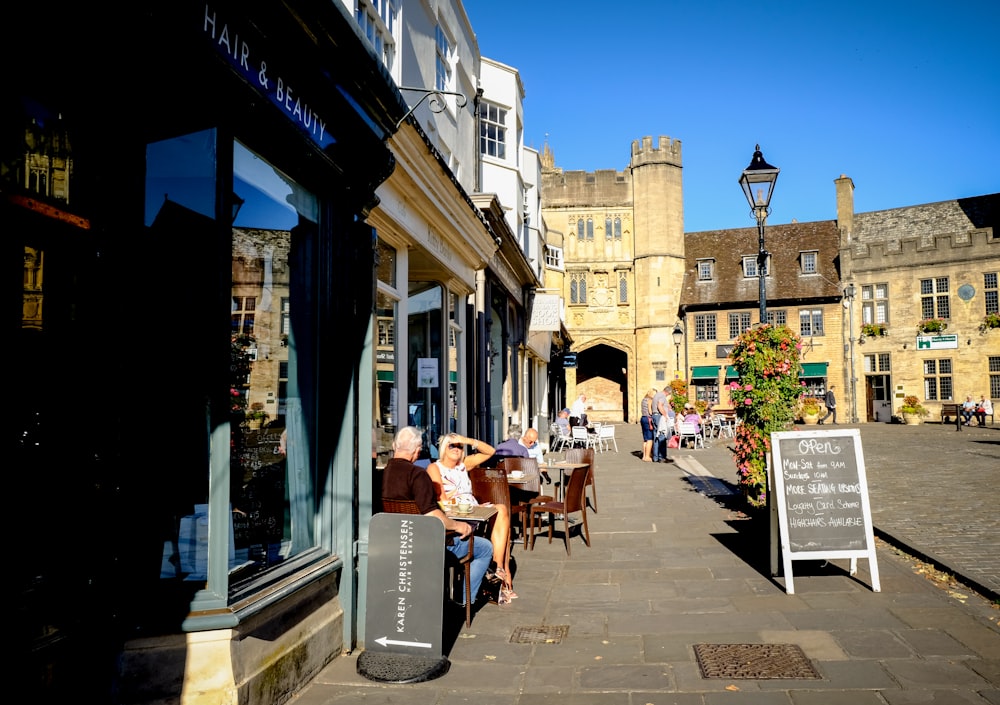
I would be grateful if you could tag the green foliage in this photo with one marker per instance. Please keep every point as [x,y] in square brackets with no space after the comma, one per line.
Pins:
[678,395]
[991,320]
[766,359]
[932,325]
[912,405]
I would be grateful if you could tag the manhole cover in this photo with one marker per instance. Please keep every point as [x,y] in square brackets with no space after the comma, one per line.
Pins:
[549,634]
[753,661]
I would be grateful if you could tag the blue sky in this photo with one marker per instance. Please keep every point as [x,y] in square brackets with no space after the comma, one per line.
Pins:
[903,97]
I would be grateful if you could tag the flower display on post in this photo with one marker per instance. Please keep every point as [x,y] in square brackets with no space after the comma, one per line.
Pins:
[766,359]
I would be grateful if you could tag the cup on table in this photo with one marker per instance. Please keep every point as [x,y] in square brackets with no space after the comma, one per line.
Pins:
[517,474]
[464,507]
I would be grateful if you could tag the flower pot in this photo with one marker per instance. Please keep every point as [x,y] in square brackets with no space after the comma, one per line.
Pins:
[810,419]
[912,419]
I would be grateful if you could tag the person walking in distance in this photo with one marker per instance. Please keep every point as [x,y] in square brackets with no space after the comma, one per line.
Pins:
[831,405]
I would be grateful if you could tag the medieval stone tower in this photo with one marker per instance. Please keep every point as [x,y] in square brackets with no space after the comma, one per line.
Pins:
[622,235]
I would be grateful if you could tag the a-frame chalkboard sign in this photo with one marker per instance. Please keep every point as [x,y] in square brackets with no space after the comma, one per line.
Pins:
[821,492]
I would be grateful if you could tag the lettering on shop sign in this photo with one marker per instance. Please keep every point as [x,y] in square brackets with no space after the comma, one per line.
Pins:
[406,560]
[244,52]
[821,492]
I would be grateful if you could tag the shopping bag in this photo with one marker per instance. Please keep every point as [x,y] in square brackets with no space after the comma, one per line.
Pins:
[674,442]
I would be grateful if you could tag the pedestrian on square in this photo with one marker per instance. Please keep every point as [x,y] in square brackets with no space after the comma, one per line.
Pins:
[648,429]
[659,412]
[831,405]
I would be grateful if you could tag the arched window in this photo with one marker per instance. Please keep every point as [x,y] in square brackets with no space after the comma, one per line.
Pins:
[607,228]
[590,228]
[579,229]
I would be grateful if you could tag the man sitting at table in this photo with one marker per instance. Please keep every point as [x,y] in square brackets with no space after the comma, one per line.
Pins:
[401,479]
[512,447]
[529,441]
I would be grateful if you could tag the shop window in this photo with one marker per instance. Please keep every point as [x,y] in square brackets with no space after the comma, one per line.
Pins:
[934,299]
[875,303]
[938,380]
[705,326]
[994,368]
[707,391]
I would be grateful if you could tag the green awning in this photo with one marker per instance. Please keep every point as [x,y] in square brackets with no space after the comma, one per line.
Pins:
[385,375]
[813,369]
[707,372]
[731,372]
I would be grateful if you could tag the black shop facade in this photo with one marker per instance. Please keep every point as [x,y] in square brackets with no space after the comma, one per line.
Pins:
[187,185]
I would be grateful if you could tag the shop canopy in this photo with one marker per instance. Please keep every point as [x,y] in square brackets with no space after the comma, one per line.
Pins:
[706,372]
[813,369]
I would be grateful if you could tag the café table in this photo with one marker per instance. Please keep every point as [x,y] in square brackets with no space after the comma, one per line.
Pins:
[477,513]
[562,466]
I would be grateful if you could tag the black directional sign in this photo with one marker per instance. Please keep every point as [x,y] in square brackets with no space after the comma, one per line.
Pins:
[405,585]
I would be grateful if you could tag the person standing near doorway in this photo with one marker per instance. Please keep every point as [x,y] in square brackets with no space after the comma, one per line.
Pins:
[831,405]
[578,411]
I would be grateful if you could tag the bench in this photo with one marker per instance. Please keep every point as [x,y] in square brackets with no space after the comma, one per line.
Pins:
[953,411]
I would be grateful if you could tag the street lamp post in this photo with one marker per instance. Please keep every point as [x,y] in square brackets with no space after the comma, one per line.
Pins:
[849,294]
[758,181]
[678,334]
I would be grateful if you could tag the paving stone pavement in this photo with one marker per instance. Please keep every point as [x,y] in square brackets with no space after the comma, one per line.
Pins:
[674,563]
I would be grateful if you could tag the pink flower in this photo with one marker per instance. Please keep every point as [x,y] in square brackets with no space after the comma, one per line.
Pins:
[748,401]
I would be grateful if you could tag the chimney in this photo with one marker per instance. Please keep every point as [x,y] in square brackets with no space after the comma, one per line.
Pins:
[845,207]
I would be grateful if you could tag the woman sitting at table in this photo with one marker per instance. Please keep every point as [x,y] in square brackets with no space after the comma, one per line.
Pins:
[450,474]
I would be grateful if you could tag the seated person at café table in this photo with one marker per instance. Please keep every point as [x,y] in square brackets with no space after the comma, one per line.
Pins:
[512,446]
[529,441]
[450,474]
[401,479]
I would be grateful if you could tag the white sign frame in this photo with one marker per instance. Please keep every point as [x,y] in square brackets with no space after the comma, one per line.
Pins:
[780,499]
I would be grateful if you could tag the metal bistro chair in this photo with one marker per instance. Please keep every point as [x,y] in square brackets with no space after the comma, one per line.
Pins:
[581,437]
[560,440]
[606,437]
[586,455]
[688,432]
[573,502]
[408,506]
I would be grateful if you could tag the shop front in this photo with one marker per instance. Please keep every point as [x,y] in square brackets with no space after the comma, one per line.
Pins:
[188,190]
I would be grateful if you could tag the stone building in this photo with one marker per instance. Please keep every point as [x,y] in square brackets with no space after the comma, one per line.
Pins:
[857,289]
[622,235]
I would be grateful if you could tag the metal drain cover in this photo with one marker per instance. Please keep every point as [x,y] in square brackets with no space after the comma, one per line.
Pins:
[753,661]
[546,634]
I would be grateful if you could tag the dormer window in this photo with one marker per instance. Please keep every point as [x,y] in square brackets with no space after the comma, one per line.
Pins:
[706,270]
[750,266]
[808,261]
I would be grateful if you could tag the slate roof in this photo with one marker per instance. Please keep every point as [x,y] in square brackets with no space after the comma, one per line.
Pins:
[786,285]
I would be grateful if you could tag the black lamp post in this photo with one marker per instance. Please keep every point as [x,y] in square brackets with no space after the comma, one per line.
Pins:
[849,293]
[758,181]
[678,334]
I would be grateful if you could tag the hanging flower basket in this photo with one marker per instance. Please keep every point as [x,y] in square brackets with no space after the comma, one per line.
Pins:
[992,320]
[932,325]
[874,330]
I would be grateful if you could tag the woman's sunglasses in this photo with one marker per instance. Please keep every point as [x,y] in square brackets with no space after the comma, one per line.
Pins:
[452,446]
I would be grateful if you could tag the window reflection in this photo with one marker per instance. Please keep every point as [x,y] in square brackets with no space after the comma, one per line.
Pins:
[425,329]
[268,457]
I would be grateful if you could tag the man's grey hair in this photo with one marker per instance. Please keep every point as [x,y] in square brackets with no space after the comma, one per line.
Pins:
[408,439]
[514,431]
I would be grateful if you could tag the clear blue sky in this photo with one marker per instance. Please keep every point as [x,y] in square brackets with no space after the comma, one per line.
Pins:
[901,96]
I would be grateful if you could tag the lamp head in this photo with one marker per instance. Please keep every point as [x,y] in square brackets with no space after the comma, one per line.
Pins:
[758,181]
[678,333]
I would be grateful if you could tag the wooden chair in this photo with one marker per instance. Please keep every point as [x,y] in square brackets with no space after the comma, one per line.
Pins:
[573,502]
[409,506]
[491,485]
[586,455]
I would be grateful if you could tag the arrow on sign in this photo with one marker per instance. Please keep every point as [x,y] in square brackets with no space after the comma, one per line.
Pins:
[384,641]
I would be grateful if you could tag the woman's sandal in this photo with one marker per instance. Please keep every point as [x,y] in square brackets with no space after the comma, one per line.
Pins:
[506,590]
